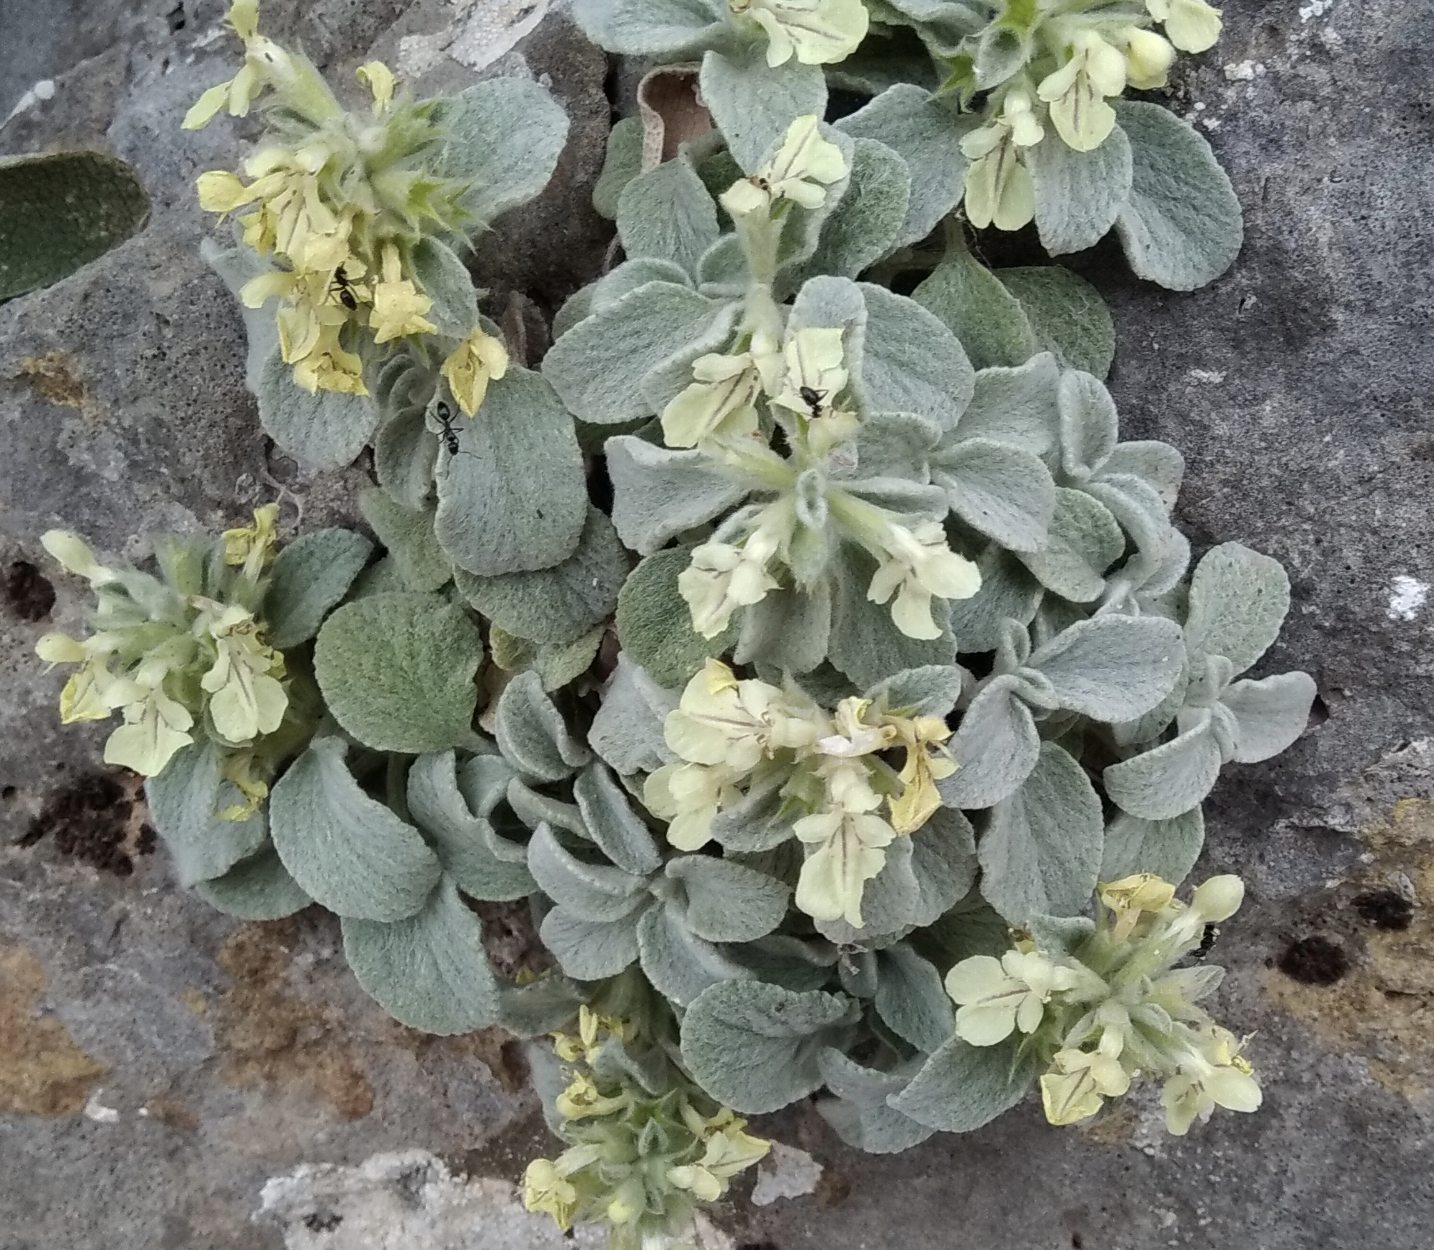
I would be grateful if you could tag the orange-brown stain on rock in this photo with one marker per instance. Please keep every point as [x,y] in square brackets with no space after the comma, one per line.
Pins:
[1383,1007]
[55,376]
[269,1035]
[42,1070]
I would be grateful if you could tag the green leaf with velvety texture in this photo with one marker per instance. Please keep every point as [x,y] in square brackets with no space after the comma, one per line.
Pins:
[1168,780]
[995,747]
[514,497]
[1181,226]
[1067,316]
[183,801]
[1078,194]
[429,971]
[1113,668]
[1041,850]
[1238,601]
[753,103]
[323,431]
[727,902]
[979,311]
[557,604]
[665,213]
[654,623]
[911,362]
[612,823]
[755,1047]
[408,535]
[864,224]
[659,493]
[257,888]
[621,164]
[911,999]
[962,1087]
[533,734]
[1167,848]
[309,576]
[348,851]
[396,671]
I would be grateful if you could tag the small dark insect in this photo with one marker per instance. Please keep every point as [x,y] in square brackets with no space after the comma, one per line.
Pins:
[344,289]
[1207,942]
[445,418]
[813,399]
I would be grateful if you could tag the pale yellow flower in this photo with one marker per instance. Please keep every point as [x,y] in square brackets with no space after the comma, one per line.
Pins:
[997,996]
[398,305]
[999,189]
[379,79]
[73,555]
[723,577]
[328,367]
[721,720]
[1076,92]
[927,762]
[803,167]
[545,1188]
[813,372]
[253,546]
[689,796]
[1148,59]
[155,728]
[247,699]
[1212,1074]
[728,1151]
[477,360]
[917,566]
[850,851]
[1193,25]
[719,403]
[582,1100]
[1079,1081]
[816,32]
[1132,897]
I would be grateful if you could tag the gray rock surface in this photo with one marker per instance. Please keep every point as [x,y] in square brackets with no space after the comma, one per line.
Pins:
[159,1064]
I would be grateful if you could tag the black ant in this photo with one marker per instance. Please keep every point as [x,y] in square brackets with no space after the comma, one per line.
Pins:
[813,400]
[1207,942]
[445,418]
[344,288]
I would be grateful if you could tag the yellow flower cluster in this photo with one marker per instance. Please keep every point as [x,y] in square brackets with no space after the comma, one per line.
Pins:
[1093,62]
[170,661]
[636,1159]
[339,212]
[1117,1008]
[729,733]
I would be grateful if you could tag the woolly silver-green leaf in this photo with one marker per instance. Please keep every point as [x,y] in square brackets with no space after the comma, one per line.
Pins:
[962,1087]
[726,902]
[1084,541]
[1003,492]
[911,1000]
[1270,714]
[627,728]
[753,103]
[514,498]
[257,888]
[323,431]
[659,493]
[1167,848]
[1078,194]
[309,576]
[973,304]
[183,801]
[408,535]
[680,964]
[667,214]
[1170,779]
[1041,850]
[612,823]
[995,747]
[1113,668]
[532,733]
[590,950]
[654,623]
[396,671]
[1238,601]
[346,850]
[429,971]
[1067,315]
[911,361]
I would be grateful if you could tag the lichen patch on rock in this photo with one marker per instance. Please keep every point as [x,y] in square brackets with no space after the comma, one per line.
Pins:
[42,1070]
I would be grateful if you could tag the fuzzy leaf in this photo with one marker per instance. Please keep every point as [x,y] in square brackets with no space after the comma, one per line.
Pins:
[1270,714]
[429,971]
[911,362]
[1003,492]
[612,824]
[1084,541]
[1067,316]
[865,643]
[753,104]
[1041,851]
[323,431]
[1168,848]
[859,1113]
[183,800]
[1170,779]
[1181,226]
[1090,427]
[996,746]
[513,499]
[348,851]
[923,132]
[864,225]
[659,493]
[962,1087]
[63,210]
[755,1047]
[911,999]
[670,29]
[621,164]
[598,893]
[627,729]
[533,734]
[631,274]
[680,964]
[667,214]
[1238,601]
[558,604]
[1008,591]
[588,950]
[973,304]
[931,690]
[599,365]
[1017,407]
[1113,668]
[504,139]
[547,1005]
[726,902]
[789,629]
[482,865]
[1078,194]
[654,624]
[408,535]
[446,281]
[396,671]
[943,862]
[257,888]
[309,577]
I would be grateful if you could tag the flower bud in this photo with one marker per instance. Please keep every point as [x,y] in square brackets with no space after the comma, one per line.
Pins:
[1148,58]
[1219,898]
